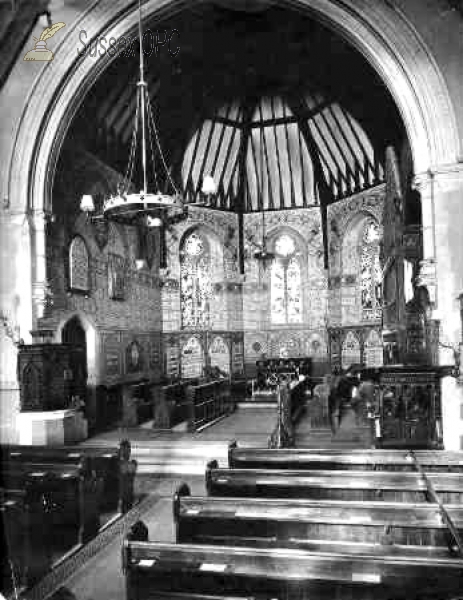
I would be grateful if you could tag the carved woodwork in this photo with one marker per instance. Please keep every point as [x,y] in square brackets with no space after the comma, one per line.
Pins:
[50,375]
[410,406]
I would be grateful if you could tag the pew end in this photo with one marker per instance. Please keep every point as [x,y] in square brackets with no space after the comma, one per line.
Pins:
[126,485]
[180,492]
[212,464]
[231,446]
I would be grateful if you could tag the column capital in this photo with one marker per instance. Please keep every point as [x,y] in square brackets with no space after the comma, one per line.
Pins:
[445,178]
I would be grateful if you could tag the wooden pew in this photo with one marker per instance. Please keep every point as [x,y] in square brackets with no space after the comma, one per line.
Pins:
[111,465]
[208,401]
[309,524]
[338,485]
[162,570]
[170,405]
[71,494]
[377,460]
[27,535]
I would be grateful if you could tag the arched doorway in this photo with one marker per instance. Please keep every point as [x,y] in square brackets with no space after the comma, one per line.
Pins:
[73,333]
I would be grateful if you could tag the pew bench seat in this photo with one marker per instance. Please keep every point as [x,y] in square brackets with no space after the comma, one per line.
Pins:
[152,568]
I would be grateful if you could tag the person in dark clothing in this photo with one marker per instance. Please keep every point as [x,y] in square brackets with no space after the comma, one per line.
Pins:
[334,400]
[340,395]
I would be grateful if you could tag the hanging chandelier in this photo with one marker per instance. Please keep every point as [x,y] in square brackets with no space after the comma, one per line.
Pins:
[264,256]
[128,207]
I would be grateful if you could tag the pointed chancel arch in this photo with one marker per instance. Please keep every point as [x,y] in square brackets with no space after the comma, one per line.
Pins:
[383,35]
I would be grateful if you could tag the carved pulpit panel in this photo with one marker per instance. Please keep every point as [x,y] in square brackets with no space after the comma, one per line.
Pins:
[392,262]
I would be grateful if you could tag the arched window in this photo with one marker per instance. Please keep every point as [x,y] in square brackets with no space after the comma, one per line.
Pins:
[79,271]
[196,284]
[285,283]
[370,272]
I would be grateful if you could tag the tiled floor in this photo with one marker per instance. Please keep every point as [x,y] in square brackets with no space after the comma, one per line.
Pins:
[252,424]
[101,577]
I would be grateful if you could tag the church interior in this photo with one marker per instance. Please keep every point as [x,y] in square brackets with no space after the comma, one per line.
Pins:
[231,299]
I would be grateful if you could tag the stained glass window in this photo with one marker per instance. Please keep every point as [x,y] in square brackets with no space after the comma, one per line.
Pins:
[285,283]
[196,290]
[370,272]
[78,265]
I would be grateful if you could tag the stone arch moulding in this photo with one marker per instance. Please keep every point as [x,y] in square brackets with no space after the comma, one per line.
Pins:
[381,34]
[92,341]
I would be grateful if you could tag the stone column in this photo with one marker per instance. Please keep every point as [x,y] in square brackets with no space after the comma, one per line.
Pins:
[15,311]
[38,222]
[441,271]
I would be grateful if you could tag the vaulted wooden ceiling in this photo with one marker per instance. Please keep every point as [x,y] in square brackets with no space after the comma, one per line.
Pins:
[277,107]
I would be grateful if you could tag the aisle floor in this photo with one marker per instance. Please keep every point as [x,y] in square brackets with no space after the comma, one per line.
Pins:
[101,578]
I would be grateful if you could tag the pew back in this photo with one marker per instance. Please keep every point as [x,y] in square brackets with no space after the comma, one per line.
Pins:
[306,523]
[302,458]
[339,485]
[154,568]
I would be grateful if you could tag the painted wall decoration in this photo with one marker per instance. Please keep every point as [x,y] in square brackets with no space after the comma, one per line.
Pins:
[219,354]
[171,358]
[373,350]
[350,353]
[112,354]
[192,358]
[116,277]
[370,272]
[355,275]
[285,283]
[196,284]
[237,357]
[134,357]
